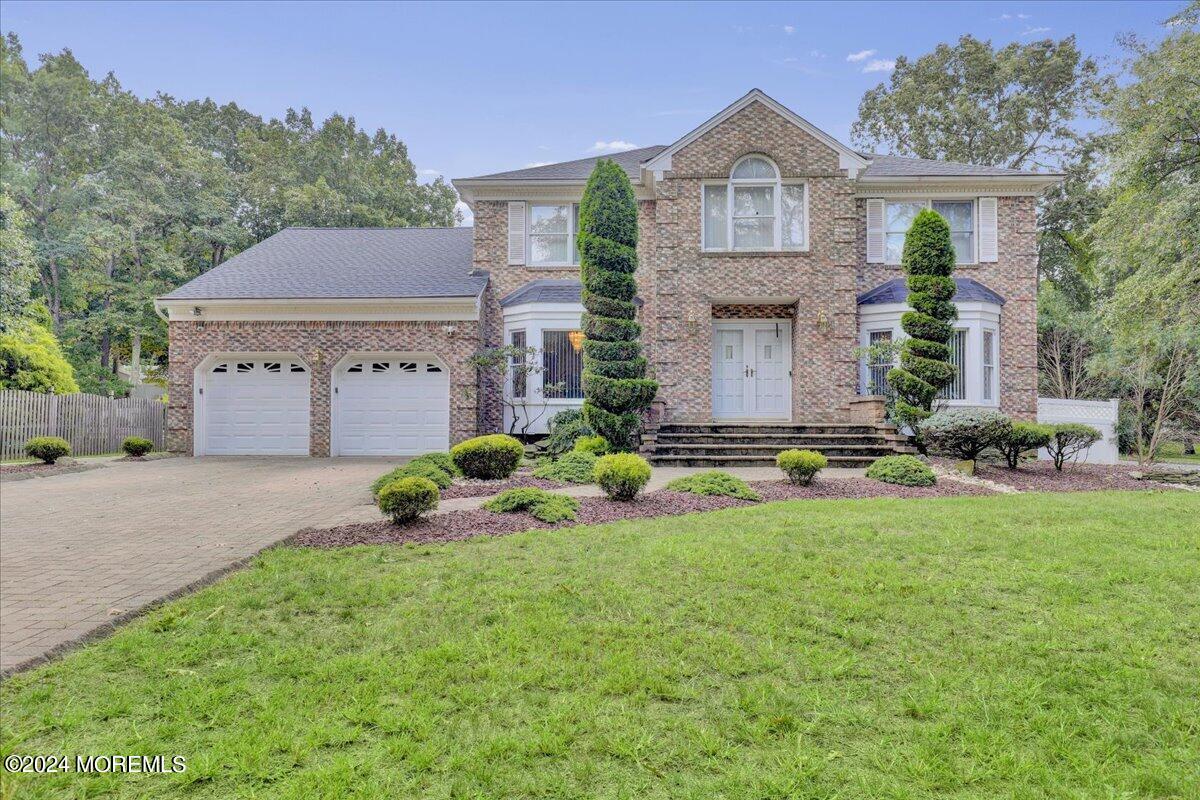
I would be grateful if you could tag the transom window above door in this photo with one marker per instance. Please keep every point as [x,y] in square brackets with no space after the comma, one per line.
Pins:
[755,209]
[552,233]
[959,213]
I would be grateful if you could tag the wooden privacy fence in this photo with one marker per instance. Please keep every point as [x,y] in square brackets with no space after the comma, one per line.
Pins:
[92,423]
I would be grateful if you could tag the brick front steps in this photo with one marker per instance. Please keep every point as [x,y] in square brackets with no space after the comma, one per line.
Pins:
[756,444]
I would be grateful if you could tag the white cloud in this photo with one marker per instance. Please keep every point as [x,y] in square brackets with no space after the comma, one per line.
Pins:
[817,54]
[615,146]
[861,55]
[429,172]
[789,29]
[1013,16]
[537,164]
[1034,31]
[879,65]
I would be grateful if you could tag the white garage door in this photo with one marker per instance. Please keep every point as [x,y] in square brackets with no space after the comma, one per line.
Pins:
[392,407]
[256,408]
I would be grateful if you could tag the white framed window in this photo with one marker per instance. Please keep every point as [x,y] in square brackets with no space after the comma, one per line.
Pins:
[957,388]
[552,234]
[562,364]
[754,209]
[899,215]
[879,366]
[989,364]
[519,376]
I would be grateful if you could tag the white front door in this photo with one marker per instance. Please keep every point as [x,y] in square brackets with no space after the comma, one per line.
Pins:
[391,406]
[752,369]
[255,407]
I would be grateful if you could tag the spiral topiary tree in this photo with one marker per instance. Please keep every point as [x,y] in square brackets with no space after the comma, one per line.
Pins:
[925,366]
[615,389]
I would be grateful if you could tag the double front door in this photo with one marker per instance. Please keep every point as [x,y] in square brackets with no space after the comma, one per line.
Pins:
[752,369]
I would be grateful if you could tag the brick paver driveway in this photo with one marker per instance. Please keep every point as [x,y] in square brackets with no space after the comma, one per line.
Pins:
[79,551]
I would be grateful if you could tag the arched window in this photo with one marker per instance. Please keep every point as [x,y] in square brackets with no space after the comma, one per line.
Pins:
[755,209]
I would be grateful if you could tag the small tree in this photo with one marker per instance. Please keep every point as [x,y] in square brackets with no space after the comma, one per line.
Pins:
[615,389]
[510,367]
[925,356]
[1069,440]
[966,432]
[1025,436]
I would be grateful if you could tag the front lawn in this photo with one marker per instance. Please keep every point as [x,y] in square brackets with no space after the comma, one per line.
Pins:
[1026,645]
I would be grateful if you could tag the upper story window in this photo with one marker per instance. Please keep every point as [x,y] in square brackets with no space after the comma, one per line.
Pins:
[960,214]
[755,210]
[552,230]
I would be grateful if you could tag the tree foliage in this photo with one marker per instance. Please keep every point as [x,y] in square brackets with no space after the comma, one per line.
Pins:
[615,388]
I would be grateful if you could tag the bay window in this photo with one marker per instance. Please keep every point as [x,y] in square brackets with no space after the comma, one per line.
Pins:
[520,374]
[960,214]
[562,364]
[552,234]
[754,210]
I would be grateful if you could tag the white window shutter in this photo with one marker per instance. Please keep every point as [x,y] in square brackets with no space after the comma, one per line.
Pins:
[516,232]
[989,246]
[875,233]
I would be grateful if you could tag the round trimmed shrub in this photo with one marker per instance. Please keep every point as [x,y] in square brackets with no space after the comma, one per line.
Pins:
[47,449]
[801,466]
[1024,436]
[596,445]
[901,470]
[488,458]
[714,483]
[136,446]
[965,432]
[1069,440]
[442,461]
[622,475]
[543,505]
[406,499]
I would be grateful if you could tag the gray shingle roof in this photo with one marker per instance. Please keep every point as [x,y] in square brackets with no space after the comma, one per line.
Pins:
[580,169]
[315,263]
[896,291]
[544,290]
[884,166]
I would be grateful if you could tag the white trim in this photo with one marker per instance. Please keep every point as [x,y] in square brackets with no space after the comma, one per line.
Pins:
[572,234]
[200,382]
[357,355]
[749,356]
[848,159]
[414,309]
[987,218]
[518,230]
[534,319]
[777,185]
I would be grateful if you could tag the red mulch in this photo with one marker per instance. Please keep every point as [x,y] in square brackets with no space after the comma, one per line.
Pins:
[489,488]
[1040,476]
[858,488]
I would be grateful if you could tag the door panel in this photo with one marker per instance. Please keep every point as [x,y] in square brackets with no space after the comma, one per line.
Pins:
[392,407]
[256,407]
[729,368]
[770,374]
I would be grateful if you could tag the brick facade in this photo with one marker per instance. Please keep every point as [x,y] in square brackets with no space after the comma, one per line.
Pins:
[320,345]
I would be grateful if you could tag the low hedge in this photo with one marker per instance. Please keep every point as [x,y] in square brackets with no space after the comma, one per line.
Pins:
[136,446]
[405,499]
[543,505]
[801,466]
[622,475]
[488,458]
[714,483]
[573,467]
[47,449]
[902,470]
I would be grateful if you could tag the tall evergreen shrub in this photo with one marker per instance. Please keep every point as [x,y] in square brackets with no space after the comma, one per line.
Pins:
[925,366]
[615,389]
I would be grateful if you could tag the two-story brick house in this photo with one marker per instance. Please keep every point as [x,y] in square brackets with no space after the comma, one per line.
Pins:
[768,252]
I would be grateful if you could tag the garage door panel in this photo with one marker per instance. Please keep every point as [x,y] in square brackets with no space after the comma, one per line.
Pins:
[257,407]
[393,407]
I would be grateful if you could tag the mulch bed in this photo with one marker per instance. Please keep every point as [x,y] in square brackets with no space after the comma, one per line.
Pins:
[469,488]
[859,488]
[1040,476]
[35,467]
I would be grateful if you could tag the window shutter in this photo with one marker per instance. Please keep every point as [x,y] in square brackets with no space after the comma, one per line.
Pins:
[989,246]
[875,233]
[516,232]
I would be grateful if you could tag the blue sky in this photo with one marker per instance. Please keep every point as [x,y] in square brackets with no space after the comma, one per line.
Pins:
[477,88]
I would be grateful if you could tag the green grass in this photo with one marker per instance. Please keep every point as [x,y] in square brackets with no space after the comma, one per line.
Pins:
[1023,646]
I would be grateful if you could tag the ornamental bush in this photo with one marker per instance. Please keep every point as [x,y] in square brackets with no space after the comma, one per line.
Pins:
[615,388]
[573,467]
[488,458]
[414,469]
[1023,437]
[622,475]
[801,466]
[405,499]
[714,483]
[47,449]
[543,505]
[1069,440]
[901,470]
[596,445]
[443,461]
[924,368]
[136,446]
[566,428]
[965,432]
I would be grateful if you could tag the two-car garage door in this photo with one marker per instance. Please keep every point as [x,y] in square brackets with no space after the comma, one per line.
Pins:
[380,406]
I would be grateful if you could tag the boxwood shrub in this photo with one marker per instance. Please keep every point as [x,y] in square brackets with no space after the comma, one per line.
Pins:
[413,469]
[801,466]
[543,505]
[714,483]
[596,445]
[965,432]
[442,461]
[902,470]
[573,467]
[488,458]
[48,449]
[622,475]
[136,446]
[1024,436]
[405,499]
